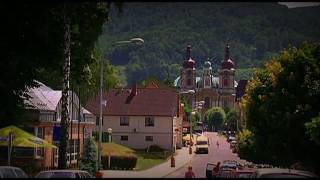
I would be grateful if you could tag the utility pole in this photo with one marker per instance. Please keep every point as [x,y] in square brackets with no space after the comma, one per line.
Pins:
[65,119]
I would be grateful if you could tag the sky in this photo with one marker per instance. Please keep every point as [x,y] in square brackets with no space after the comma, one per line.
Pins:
[299,4]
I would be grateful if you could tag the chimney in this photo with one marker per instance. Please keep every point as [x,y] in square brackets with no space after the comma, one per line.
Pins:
[134,90]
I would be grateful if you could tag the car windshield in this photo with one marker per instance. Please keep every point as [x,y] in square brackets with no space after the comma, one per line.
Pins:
[201,142]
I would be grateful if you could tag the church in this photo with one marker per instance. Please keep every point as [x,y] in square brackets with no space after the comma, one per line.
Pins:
[214,91]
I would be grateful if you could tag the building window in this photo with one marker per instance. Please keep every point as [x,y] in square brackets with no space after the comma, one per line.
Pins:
[149,138]
[149,121]
[225,82]
[124,138]
[207,81]
[39,152]
[207,102]
[124,121]
[72,150]
[97,120]
[188,82]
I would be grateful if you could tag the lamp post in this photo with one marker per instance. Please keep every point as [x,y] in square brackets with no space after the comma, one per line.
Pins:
[137,41]
[190,123]
[190,128]
[109,155]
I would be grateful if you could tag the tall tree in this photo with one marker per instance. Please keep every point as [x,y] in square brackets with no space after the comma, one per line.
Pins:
[280,100]
[215,117]
[232,119]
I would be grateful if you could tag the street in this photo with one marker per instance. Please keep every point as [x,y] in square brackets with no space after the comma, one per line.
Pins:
[199,161]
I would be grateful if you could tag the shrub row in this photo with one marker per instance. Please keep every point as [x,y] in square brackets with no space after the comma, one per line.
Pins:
[119,162]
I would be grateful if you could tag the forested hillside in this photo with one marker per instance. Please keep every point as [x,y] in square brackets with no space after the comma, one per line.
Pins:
[255,31]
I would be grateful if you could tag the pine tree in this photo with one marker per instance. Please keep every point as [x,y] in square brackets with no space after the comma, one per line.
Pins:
[88,162]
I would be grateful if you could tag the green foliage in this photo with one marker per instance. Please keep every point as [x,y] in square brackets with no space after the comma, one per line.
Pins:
[255,32]
[34,48]
[244,73]
[231,120]
[155,148]
[119,162]
[281,98]
[313,129]
[245,145]
[89,159]
[215,117]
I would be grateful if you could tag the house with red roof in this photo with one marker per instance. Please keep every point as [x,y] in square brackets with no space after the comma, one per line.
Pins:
[140,117]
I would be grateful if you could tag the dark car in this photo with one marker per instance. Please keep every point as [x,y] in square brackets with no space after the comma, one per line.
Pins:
[226,173]
[244,173]
[65,173]
[12,172]
[282,173]
[209,170]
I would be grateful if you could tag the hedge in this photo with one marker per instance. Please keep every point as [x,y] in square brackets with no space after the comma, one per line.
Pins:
[119,162]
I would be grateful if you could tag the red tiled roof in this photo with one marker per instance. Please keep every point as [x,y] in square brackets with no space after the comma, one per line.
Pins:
[147,102]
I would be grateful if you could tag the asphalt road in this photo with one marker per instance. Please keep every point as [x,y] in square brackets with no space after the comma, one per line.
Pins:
[199,161]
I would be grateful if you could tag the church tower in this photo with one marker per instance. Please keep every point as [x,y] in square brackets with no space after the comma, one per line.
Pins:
[207,75]
[226,80]
[188,72]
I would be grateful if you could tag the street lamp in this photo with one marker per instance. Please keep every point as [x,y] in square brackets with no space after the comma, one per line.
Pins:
[190,123]
[137,41]
[189,92]
[109,155]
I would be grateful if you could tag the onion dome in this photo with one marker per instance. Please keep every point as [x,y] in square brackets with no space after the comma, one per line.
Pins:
[207,64]
[227,63]
[189,62]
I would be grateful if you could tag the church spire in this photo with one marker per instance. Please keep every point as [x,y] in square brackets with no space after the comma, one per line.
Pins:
[188,56]
[227,53]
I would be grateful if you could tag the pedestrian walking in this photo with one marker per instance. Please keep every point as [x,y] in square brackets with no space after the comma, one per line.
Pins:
[189,173]
[216,169]
[217,144]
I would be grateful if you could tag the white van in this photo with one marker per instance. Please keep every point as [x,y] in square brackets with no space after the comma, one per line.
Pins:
[202,144]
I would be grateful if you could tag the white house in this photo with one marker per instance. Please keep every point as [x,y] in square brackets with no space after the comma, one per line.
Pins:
[140,117]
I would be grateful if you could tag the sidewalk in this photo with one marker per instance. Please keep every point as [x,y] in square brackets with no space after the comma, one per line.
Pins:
[182,158]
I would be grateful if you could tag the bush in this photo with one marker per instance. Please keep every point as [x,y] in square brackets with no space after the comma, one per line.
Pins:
[119,162]
[245,145]
[88,161]
[155,148]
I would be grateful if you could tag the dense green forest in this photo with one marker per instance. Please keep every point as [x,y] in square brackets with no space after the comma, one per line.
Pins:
[255,32]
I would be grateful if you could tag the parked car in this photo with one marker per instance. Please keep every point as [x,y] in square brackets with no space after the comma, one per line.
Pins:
[231,138]
[12,172]
[209,169]
[244,173]
[64,173]
[226,173]
[282,173]
[229,164]
[233,144]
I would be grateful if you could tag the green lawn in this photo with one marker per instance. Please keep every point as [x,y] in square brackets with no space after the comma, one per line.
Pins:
[145,160]
[148,160]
